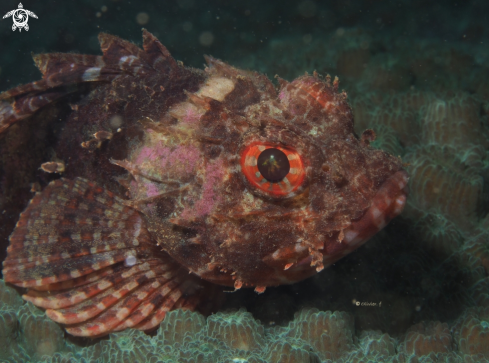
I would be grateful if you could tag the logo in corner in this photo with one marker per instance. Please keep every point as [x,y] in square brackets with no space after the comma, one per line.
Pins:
[20,17]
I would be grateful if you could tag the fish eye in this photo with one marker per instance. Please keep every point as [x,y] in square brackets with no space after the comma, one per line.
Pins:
[273,169]
[273,165]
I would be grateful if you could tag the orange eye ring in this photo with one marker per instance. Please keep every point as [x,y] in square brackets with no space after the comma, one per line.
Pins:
[290,183]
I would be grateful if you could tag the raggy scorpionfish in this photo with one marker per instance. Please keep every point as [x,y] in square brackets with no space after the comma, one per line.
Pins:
[192,181]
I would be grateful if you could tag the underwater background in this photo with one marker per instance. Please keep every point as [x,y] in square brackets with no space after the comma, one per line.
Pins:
[417,72]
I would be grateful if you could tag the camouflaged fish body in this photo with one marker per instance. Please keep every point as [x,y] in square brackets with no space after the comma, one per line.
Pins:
[230,181]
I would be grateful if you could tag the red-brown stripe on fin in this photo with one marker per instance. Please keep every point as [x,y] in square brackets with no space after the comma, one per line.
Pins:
[156,299]
[89,308]
[116,314]
[171,295]
[49,273]
[80,281]
[144,309]
[75,296]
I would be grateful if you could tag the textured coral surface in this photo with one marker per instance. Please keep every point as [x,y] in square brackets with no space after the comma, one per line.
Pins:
[184,336]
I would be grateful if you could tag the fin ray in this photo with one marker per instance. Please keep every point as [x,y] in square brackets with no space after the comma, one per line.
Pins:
[87,257]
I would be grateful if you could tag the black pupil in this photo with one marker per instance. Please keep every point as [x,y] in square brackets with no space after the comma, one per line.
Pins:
[273,165]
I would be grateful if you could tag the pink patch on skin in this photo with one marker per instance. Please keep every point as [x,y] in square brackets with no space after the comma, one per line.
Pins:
[161,160]
[191,117]
[214,173]
[183,159]
[152,153]
[151,190]
[282,95]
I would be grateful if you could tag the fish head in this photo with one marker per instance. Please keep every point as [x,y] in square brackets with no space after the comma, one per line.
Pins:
[266,185]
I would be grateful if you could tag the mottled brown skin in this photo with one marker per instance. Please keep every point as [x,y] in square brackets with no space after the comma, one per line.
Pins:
[343,174]
[171,139]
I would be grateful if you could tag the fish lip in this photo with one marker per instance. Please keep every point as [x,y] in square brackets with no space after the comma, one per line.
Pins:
[388,203]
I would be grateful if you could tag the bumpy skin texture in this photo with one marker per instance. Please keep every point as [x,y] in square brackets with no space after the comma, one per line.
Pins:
[185,150]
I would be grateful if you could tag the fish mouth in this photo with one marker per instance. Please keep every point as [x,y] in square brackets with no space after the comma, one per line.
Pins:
[387,204]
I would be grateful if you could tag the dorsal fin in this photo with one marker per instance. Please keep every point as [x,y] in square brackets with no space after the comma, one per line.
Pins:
[52,63]
[114,48]
[157,55]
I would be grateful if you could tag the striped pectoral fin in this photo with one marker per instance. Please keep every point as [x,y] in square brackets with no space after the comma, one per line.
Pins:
[87,257]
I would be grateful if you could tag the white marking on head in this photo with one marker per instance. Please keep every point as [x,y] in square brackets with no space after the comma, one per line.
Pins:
[217,88]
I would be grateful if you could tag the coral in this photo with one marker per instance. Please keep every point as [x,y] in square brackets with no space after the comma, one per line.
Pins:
[290,352]
[387,140]
[313,336]
[42,336]
[126,347]
[398,113]
[426,338]
[436,172]
[440,234]
[404,124]
[10,302]
[179,327]
[9,296]
[9,331]
[452,121]
[375,343]
[471,331]
[386,73]
[476,249]
[331,333]
[237,331]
